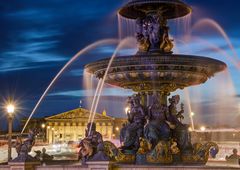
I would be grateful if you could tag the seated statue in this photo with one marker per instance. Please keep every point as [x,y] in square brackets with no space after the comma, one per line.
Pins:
[23,148]
[157,129]
[94,136]
[179,130]
[18,145]
[134,129]
[92,146]
[174,115]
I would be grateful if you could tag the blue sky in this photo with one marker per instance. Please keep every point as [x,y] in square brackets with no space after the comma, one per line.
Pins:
[39,37]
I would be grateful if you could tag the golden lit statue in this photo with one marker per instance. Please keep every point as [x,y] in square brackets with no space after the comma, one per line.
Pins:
[166,43]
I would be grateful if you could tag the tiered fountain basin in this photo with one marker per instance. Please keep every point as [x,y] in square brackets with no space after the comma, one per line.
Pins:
[156,72]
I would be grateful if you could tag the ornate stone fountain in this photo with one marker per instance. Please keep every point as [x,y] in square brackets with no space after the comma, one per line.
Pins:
[155,133]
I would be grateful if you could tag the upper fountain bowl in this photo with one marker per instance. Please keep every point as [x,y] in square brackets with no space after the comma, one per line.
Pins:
[140,8]
[156,72]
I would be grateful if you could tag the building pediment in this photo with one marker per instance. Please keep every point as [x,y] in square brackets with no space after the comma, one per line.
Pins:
[78,113]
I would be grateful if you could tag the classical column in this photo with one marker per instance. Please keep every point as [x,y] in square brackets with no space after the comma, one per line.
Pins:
[64,131]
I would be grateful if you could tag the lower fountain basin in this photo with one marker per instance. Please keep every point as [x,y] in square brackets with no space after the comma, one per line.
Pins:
[156,72]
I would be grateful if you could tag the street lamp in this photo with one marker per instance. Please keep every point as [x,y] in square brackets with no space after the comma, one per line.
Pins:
[10,111]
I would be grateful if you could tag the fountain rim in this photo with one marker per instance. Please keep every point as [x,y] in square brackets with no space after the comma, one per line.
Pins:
[191,64]
[151,56]
[136,13]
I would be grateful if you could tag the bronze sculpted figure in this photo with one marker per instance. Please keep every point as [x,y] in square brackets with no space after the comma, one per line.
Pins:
[92,146]
[175,116]
[134,128]
[157,128]
[23,148]
[152,33]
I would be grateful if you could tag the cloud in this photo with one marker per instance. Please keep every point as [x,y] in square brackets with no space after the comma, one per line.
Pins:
[34,15]
[37,34]
[76,72]
[31,47]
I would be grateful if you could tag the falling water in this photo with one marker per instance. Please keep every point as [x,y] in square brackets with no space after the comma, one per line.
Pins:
[126,27]
[94,100]
[215,25]
[86,49]
[222,84]
[182,25]
[187,98]
[124,42]
[88,85]
[217,49]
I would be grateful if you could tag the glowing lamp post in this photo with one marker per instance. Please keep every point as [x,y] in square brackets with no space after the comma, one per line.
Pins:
[10,112]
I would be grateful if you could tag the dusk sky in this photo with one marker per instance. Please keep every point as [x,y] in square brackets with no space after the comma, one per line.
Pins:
[39,37]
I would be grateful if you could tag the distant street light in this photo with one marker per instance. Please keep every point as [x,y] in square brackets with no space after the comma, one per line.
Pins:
[203,128]
[127,110]
[192,114]
[10,112]
[43,126]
